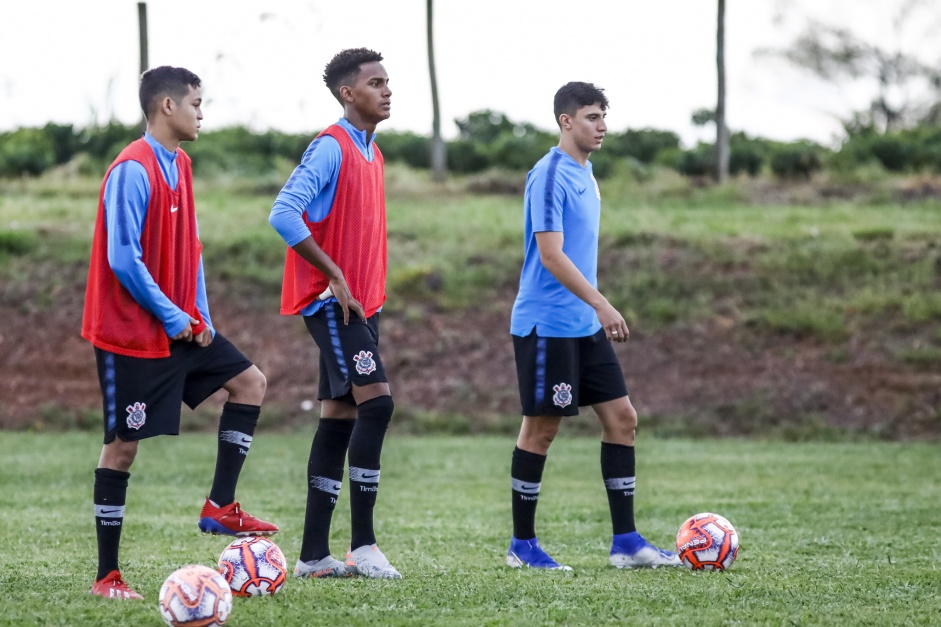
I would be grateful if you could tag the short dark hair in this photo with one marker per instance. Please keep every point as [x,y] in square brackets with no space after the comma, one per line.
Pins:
[573,96]
[344,68]
[164,81]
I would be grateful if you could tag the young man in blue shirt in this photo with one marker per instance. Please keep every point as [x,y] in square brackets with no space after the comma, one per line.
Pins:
[562,329]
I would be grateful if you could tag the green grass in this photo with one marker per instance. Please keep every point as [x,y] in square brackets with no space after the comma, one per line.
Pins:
[831,534]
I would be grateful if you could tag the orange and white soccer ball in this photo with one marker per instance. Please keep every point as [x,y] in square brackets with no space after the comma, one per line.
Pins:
[253,566]
[195,596]
[707,542]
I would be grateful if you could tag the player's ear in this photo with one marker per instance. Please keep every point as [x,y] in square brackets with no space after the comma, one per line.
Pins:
[565,121]
[167,104]
[346,93]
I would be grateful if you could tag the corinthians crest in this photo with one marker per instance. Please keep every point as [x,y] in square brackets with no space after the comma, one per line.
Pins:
[136,416]
[364,362]
[563,394]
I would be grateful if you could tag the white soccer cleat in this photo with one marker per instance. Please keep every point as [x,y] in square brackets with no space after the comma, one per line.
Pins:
[323,568]
[368,561]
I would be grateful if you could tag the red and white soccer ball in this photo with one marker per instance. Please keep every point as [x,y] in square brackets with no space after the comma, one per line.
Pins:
[707,542]
[253,566]
[195,596]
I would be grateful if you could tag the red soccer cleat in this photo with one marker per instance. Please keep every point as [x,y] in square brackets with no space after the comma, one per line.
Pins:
[232,520]
[112,586]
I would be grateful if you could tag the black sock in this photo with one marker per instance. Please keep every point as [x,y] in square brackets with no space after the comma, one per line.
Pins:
[526,474]
[324,479]
[109,496]
[617,470]
[372,420]
[236,428]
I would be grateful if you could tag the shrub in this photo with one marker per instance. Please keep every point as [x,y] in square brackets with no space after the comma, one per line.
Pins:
[466,157]
[700,161]
[25,151]
[408,147]
[643,145]
[796,160]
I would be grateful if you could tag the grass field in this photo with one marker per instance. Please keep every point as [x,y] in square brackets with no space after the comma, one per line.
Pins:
[831,534]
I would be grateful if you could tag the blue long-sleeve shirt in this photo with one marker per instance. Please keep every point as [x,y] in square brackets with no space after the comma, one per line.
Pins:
[311,189]
[127,195]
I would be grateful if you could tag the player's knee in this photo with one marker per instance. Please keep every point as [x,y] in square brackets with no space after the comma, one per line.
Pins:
[255,381]
[118,454]
[629,418]
[539,435]
[249,387]
[625,425]
[379,409]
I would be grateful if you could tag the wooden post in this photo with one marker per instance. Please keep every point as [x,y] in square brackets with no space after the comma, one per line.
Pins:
[144,63]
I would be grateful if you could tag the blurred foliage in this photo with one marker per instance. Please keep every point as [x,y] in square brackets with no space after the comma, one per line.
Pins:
[489,142]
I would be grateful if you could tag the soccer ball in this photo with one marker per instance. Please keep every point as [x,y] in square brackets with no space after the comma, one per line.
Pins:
[253,566]
[707,542]
[195,596]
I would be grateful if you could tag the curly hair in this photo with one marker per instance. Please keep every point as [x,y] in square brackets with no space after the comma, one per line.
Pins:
[164,81]
[344,68]
[573,96]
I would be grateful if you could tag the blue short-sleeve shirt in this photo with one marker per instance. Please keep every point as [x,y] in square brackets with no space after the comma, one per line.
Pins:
[560,196]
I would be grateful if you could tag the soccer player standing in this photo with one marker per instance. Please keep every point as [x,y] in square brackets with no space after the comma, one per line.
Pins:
[147,316]
[331,213]
[562,329]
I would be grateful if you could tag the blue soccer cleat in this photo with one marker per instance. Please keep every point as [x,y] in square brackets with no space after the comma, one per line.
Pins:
[631,550]
[529,553]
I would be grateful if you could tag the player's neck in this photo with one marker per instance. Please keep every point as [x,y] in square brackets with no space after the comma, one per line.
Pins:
[360,124]
[571,149]
[164,136]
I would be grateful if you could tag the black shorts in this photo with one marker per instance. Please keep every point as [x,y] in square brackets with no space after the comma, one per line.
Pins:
[349,354]
[142,396]
[557,375]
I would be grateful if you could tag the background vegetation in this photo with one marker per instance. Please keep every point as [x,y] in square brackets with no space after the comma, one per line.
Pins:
[830,286]
[488,141]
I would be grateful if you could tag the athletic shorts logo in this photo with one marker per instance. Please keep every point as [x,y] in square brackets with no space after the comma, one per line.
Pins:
[364,362]
[174,208]
[136,416]
[563,395]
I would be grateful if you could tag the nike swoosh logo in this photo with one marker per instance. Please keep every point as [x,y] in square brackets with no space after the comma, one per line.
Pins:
[245,441]
[337,487]
[528,487]
[173,208]
[371,476]
[109,511]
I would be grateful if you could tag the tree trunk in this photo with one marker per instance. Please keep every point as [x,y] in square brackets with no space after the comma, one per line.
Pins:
[439,155]
[142,31]
[722,131]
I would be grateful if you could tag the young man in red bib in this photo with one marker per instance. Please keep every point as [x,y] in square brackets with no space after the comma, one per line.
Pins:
[147,316]
[332,215]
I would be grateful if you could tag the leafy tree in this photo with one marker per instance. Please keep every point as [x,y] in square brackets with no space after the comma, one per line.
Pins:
[483,126]
[641,144]
[907,89]
[25,151]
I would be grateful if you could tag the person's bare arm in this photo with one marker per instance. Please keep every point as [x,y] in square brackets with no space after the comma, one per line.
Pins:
[558,263]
